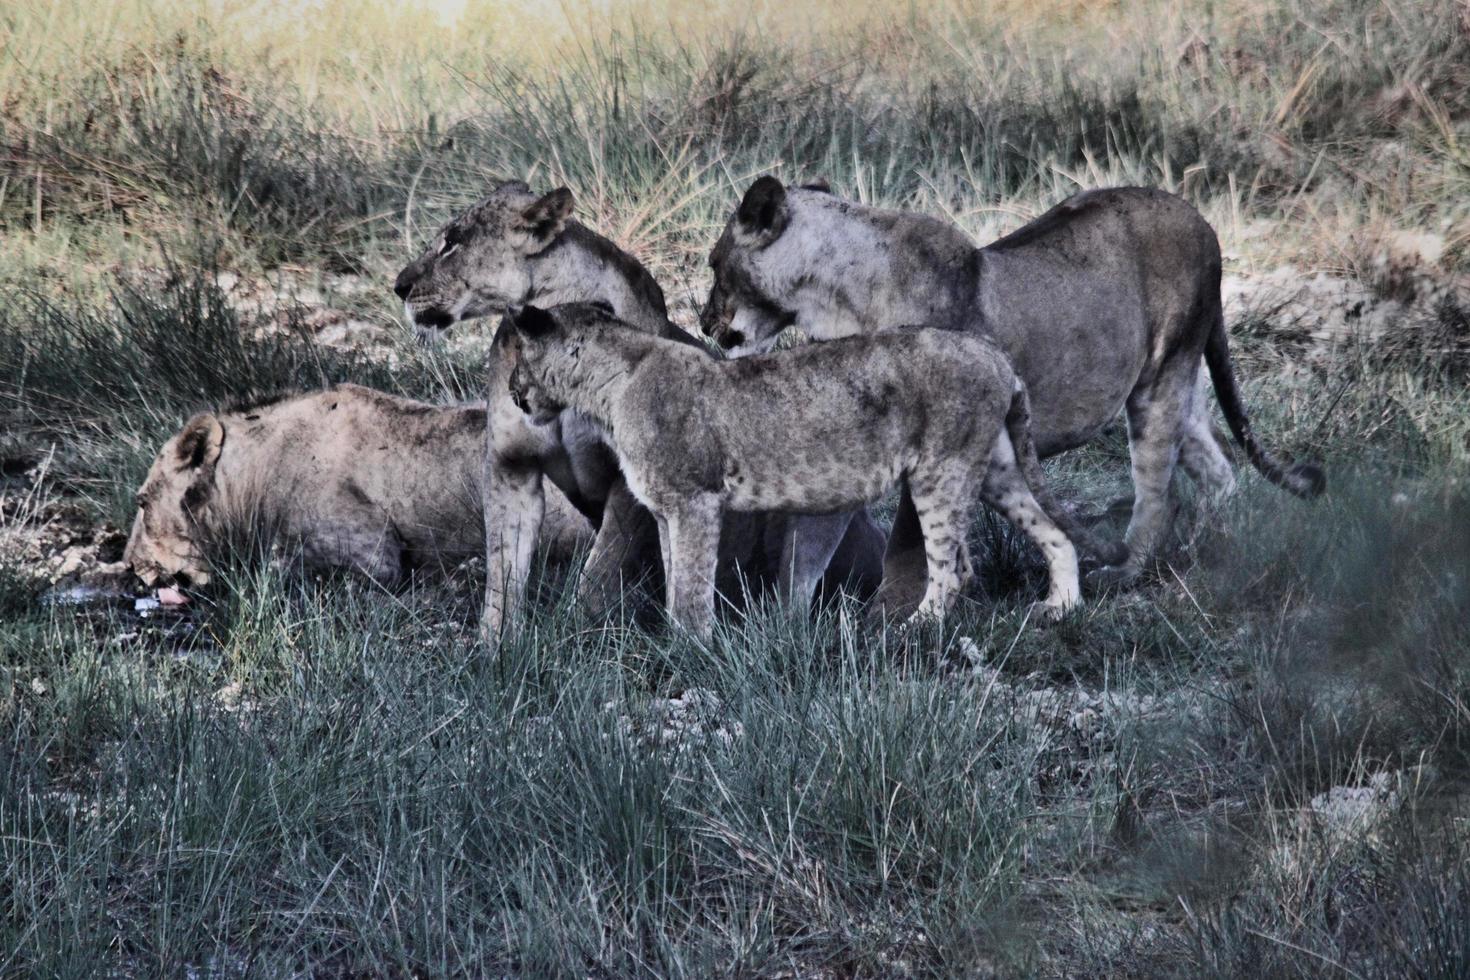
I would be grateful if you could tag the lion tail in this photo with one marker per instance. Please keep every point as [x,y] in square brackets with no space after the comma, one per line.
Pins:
[1303,479]
[1018,426]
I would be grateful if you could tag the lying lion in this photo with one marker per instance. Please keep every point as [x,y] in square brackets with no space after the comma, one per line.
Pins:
[358,479]
[351,477]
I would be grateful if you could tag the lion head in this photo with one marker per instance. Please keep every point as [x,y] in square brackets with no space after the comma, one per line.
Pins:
[539,363]
[165,543]
[480,263]
[742,311]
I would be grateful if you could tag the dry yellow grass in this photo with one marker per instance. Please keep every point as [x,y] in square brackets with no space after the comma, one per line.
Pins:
[361,58]
[1255,74]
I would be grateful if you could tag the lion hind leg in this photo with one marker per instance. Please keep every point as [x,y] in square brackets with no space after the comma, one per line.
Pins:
[1155,424]
[1199,450]
[1019,451]
[1007,490]
[940,505]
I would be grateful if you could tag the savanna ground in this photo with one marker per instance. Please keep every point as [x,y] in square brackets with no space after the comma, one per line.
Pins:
[1254,765]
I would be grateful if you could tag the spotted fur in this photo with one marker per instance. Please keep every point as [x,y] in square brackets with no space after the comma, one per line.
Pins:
[1109,302]
[818,429]
[516,247]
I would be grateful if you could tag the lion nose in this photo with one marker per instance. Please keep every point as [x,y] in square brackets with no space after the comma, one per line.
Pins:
[403,285]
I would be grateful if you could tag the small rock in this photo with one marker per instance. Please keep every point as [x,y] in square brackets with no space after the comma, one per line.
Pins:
[231,698]
[1413,247]
[1353,810]
[73,559]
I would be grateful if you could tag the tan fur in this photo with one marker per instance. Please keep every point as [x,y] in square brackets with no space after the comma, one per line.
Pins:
[516,247]
[349,476]
[816,430]
[1108,303]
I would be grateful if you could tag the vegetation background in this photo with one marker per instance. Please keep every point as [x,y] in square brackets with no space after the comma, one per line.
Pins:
[1254,765]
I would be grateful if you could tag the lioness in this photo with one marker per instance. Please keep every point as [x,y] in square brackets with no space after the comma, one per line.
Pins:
[1106,302]
[816,429]
[515,247]
[353,477]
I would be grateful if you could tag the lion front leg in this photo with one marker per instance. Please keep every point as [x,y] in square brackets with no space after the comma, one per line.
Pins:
[624,551]
[514,507]
[857,565]
[807,548]
[693,546]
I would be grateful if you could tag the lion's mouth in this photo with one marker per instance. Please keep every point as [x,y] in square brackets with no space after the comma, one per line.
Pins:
[437,319]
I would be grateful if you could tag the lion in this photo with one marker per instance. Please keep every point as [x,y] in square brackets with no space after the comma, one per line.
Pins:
[816,429]
[349,477]
[515,247]
[1108,302]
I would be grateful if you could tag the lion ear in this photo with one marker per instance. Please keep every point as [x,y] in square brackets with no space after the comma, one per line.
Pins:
[544,218]
[200,442]
[532,321]
[763,212]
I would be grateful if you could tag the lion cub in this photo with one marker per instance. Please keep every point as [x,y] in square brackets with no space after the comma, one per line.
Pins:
[824,427]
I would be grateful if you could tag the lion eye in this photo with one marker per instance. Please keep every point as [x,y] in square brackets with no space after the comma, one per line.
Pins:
[451,240]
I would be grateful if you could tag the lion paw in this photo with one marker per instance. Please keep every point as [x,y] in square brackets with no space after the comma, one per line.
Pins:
[1111,577]
[1049,612]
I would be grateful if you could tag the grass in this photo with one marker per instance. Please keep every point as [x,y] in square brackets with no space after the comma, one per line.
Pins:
[313,776]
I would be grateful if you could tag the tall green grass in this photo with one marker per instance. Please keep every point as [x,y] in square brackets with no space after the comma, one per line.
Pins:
[338,779]
[319,777]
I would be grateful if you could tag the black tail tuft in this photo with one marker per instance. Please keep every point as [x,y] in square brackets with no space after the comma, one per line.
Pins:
[1306,480]
[1303,479]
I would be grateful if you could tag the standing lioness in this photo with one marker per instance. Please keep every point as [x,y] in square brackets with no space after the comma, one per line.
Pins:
[513,248]
[817,429]
[1106,303]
